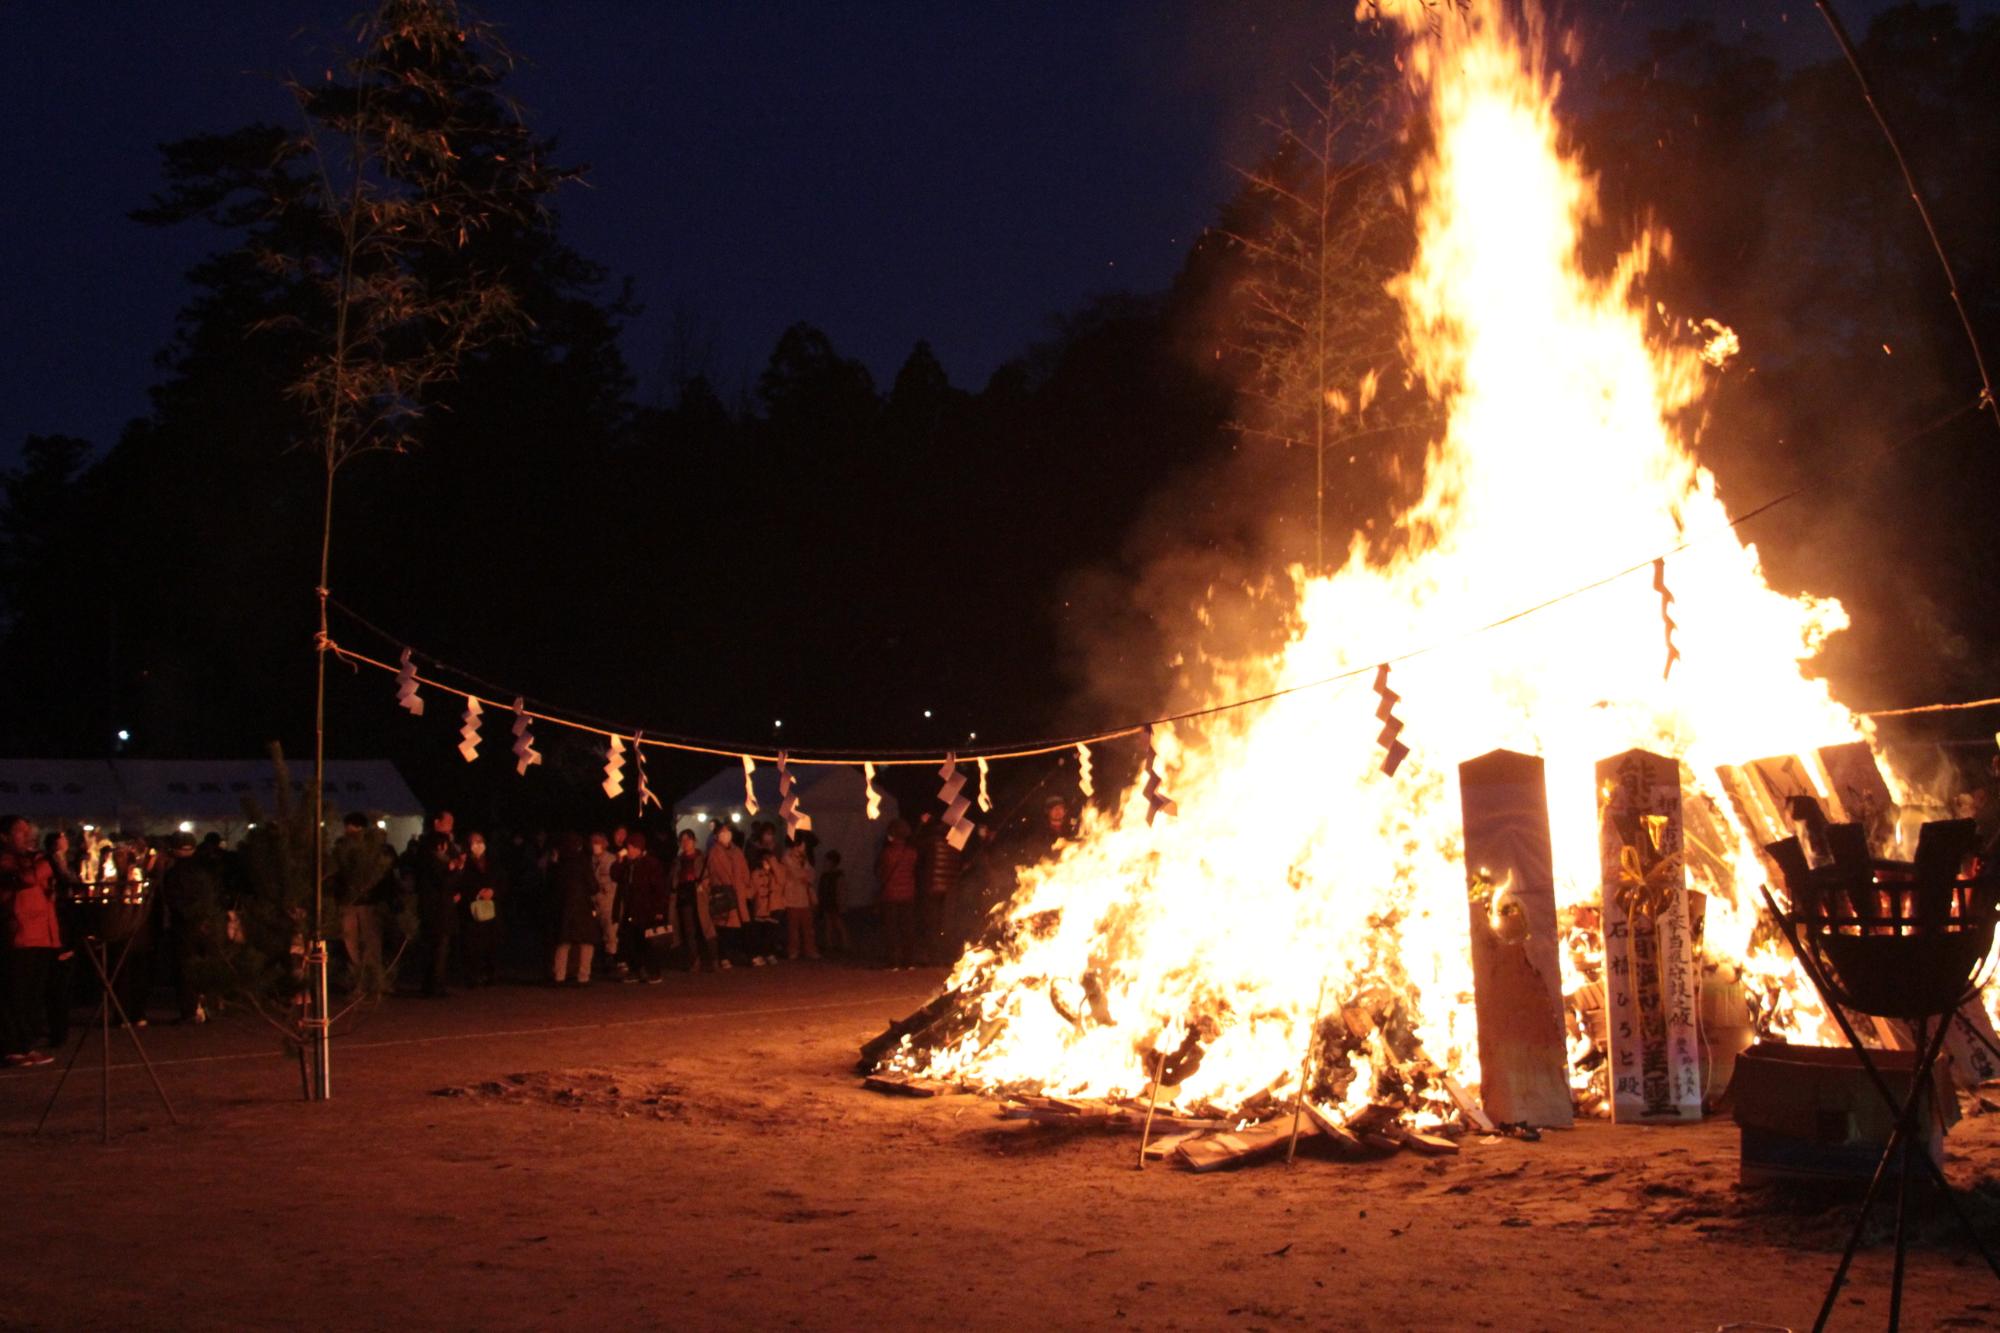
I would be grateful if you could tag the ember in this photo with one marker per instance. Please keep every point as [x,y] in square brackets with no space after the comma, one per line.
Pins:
[1300,863]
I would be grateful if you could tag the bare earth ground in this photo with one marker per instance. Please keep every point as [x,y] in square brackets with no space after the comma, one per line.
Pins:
[700,1154]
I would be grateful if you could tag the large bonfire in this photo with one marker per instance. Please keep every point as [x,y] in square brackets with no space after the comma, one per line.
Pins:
[1298,877]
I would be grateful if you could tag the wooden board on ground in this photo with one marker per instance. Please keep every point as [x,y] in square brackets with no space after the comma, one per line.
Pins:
[1229,1147]
[1516,964]
[1348,1145]
[1162,1146]
[905,1085]
[1649,971]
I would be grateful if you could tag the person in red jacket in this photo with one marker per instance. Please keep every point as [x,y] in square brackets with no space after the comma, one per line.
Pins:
[896,868]
[33,938]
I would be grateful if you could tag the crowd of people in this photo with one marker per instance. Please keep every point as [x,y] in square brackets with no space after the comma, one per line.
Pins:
[456,907]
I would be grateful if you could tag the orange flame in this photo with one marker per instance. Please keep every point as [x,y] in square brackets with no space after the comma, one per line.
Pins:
[1296,862]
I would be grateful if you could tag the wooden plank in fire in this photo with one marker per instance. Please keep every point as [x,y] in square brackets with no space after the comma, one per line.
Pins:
[1649,970]
[1754,811]
[1856,783]
[906,1085]
[1228,1147]
[1516,965]
[1784,776]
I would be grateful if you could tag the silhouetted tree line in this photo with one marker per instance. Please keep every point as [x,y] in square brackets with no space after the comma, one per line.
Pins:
[1016,558]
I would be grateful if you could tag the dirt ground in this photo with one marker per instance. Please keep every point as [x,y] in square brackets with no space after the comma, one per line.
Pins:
[699,1153]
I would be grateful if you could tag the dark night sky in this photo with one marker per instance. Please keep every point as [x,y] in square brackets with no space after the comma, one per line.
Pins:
[889,172]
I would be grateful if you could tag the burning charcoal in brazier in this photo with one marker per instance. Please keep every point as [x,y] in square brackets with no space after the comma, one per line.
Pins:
[1649,969]
[1516,966]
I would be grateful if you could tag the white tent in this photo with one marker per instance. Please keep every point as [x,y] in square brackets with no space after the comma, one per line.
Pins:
[835,797]
[159,796]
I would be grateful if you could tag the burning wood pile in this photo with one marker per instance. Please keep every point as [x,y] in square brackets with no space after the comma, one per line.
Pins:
[1641,1031]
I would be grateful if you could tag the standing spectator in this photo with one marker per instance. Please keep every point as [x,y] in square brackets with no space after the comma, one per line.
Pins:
[766,931]
[832,925]
[190,898]
[28,910]
[362,862]
[481,886]
[649,909]
[576,896]
[795,897]
[729,890]
[692,921]
[604,863]
[938,867]
[434,865]
[896,869]
[69,896]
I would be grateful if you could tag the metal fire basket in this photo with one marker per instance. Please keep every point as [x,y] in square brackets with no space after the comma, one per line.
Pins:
[1894,939]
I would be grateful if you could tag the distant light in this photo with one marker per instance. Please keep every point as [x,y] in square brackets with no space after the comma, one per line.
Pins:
[736,816]
[701,817]
[927,712]
[187,826]
[382,824]
[251,826]
[90,828]
[972,735]
[124,735]
[779,723]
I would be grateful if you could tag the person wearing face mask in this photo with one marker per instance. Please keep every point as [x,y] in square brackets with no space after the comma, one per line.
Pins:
[729,893]
[480,888]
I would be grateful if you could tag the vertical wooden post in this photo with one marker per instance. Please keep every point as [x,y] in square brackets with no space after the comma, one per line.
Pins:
[1649,973]
[1516,966]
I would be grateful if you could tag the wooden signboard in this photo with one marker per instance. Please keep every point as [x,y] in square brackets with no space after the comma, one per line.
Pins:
[1649,971]
[1516,967]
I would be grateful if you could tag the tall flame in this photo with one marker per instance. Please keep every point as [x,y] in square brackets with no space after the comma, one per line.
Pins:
[1296,863]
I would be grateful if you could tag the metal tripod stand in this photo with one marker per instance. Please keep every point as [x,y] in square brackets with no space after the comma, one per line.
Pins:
[98,951]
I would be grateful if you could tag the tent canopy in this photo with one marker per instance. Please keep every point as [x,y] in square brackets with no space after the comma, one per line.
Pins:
[158,795]
[836,798]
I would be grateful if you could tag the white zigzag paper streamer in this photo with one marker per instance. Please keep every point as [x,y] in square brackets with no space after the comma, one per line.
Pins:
[468,731]
[526,756]
[1083,770]
[749,787]
[614,768]
[1157,801]
[959,827]
[646,796]
[788,802]
[985,801]
[874,797]
[407,697]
